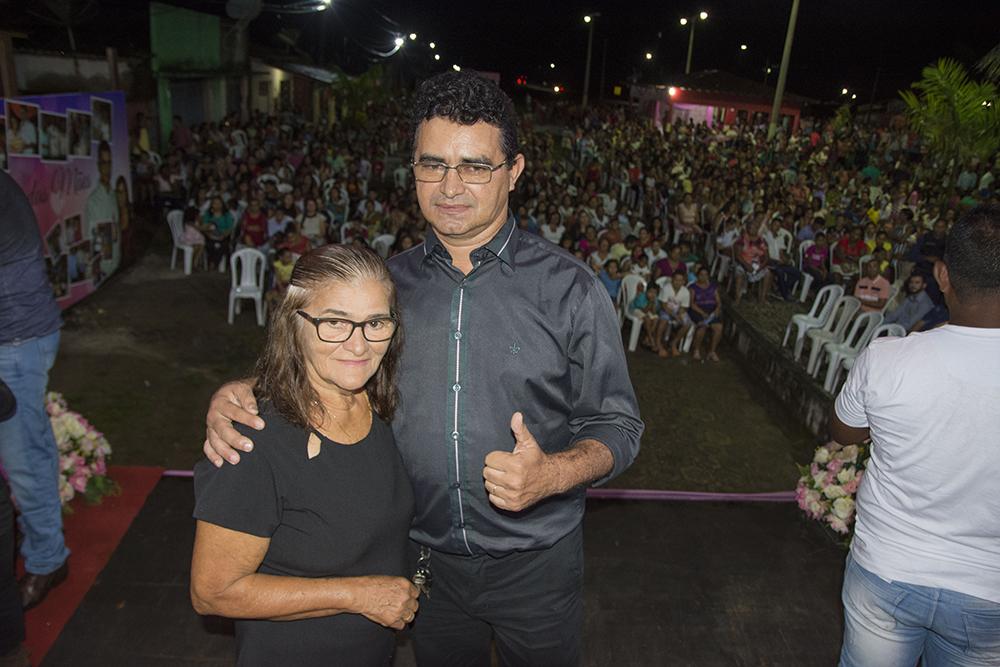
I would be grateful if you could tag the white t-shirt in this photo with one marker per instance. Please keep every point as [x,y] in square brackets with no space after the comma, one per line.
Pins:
[553,235]
[928,508]
[672,301]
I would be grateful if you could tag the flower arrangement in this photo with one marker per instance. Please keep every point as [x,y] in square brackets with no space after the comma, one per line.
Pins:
[83,454]
[826,489]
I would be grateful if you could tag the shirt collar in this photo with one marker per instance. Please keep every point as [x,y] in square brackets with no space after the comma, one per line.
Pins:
[502,244]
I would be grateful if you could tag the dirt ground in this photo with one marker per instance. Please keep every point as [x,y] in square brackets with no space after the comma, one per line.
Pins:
[141,357]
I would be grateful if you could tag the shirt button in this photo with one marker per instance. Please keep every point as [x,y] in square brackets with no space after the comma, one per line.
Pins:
[454,485]
[456,388]
[458,335]
[454,435]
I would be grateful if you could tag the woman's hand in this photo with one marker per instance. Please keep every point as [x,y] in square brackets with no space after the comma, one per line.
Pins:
[388,601]
[233,402]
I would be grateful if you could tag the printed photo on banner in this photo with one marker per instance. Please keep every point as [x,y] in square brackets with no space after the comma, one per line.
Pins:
[22,128]
[3,142]
[105,235]
[55,136]
[54,240]
[102,110]
[79,262]
[74,230]
[94,272]
[79,133]
[58,275]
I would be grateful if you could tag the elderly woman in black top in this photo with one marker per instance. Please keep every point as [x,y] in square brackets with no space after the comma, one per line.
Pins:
[304,542]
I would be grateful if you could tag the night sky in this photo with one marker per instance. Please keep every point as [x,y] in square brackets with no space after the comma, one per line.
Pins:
[838,43]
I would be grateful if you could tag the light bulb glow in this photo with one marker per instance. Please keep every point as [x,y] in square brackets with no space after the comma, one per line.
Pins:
[743,47]
[684,21]
[432,45]
[413,36]
[398,41]
[672,91]
[587,19]
[456,68]
[703,15]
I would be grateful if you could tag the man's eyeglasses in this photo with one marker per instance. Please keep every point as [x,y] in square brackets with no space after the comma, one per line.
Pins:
[337,330]
[470,172]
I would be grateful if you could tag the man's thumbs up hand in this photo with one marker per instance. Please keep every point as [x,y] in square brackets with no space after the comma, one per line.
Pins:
[517,480]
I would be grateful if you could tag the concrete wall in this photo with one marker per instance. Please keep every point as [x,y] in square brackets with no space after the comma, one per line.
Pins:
[802,396]
[44,73]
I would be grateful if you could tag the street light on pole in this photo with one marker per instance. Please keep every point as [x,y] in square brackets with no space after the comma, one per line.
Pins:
[684,21]
[589,20]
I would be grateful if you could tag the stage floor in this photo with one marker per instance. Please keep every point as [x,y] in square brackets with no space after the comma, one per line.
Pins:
[667,583]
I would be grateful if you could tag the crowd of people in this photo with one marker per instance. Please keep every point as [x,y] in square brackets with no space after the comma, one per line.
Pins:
[856,204]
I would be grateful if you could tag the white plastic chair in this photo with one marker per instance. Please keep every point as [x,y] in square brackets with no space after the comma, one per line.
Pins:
[401,177]
[284,188]
[864,259]
[720,266]
[626,292]
[631,286]
[805,279]
[847,362]
[247,269]
[817,316]
[175,220]
[861,331]
[382,244]
[833,331]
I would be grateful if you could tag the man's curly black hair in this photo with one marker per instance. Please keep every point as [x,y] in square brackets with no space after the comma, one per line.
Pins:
[467,98]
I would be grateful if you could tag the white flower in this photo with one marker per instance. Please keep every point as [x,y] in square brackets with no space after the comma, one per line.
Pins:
[834,491]
[843,508]
[819,479]
[848,454]
[846,474]
[74,428]
[822,455]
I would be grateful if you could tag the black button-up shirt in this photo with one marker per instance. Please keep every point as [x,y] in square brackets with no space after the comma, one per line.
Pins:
[529,329]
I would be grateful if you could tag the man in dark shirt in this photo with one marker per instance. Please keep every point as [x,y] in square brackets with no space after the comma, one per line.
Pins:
[30,321]
[515,396]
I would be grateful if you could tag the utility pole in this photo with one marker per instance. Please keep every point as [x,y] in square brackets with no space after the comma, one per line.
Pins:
[779,91]
[589,20]
[687,66]
[604,63]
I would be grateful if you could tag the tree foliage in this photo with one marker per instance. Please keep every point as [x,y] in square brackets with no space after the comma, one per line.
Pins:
[958,117]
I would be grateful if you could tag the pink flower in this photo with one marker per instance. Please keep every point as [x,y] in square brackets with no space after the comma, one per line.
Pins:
[829,479]
[852,486]
[100,467]
[834,466]
[79,480]
[814,469]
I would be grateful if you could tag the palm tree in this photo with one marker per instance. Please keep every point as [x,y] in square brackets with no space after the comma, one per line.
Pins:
[989,65]
[958,117]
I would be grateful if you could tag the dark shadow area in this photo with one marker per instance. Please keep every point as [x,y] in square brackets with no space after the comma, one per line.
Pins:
[666,584]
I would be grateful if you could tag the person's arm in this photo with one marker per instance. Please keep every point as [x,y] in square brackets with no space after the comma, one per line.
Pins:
[604,420]
[718,304]
[849,416]
[225,582]
[233,402]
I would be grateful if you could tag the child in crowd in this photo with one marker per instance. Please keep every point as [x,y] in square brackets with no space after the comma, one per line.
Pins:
[283,266]
[611,278]
[675,299]
[645,306]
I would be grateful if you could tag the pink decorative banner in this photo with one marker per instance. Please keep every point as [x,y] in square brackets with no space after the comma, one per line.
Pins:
[70,155]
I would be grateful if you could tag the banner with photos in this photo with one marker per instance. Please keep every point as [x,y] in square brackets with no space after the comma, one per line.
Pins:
[70,155]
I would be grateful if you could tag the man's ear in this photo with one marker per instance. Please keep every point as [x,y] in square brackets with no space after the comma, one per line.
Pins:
[942,277]
[516,170]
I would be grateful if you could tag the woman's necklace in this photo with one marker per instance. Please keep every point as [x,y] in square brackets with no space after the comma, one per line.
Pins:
[352,438]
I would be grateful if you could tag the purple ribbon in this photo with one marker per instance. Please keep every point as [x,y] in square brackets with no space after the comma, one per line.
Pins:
[645,494]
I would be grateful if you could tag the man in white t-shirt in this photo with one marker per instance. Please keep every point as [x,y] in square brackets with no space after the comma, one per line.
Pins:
[675,299]
[923,575]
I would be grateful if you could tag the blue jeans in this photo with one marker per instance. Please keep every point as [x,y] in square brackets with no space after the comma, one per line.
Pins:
[29,455]
[892,624]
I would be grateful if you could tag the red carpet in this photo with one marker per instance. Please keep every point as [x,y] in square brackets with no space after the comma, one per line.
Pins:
[92,534]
